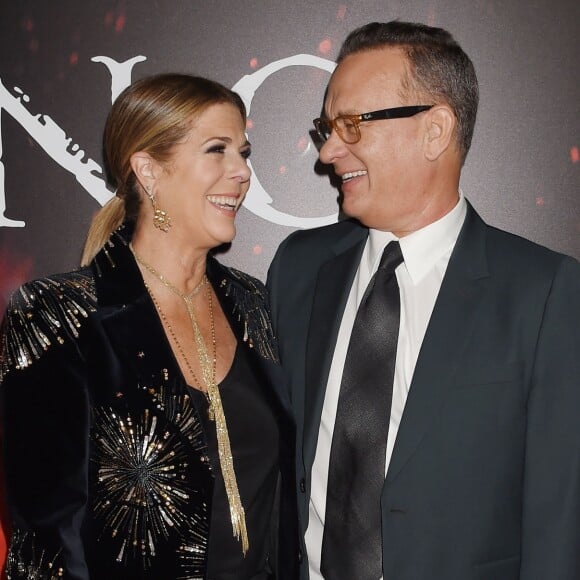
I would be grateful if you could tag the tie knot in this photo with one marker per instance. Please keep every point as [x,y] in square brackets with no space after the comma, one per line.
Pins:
[391,258]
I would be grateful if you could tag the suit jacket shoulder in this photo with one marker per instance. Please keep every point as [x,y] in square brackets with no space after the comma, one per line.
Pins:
[245,303]
[509,260]
[297,262]
[43,314]
[316,244]
[521,252]
[246,282]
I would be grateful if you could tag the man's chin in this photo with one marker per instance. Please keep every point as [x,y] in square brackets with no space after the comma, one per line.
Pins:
[352,208]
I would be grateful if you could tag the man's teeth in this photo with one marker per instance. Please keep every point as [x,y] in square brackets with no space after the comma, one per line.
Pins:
[223,202]
[351,174]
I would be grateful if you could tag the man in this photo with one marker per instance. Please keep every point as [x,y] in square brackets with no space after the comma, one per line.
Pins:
[477,420]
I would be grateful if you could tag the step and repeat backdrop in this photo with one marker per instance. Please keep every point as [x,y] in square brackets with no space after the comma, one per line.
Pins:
[62,63]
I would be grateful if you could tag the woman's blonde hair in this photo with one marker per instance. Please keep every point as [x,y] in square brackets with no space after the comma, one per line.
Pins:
[151,115]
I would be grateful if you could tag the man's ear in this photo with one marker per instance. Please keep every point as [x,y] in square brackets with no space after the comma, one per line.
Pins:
[439,136]
[144,168]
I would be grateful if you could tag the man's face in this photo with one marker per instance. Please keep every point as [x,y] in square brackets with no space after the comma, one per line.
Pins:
[383,175]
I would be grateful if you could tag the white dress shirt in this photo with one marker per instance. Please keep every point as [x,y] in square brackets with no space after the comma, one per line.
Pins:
[426,254]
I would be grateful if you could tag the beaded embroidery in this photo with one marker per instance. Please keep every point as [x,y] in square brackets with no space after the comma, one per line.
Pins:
[144,487]
[43,313]
[249,306]
[27,561]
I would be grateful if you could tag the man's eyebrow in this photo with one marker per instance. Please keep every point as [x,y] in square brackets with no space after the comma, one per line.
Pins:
[344,113]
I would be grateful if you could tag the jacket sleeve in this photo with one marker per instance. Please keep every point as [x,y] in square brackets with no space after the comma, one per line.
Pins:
[46,429]
[551,505]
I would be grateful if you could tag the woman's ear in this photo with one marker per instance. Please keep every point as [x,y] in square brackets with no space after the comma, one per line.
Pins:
[441,123]
[143,166]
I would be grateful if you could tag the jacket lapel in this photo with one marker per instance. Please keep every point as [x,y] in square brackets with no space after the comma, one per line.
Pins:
[449,329]
[331,293]
[130,321]
[127,313]
[221,281]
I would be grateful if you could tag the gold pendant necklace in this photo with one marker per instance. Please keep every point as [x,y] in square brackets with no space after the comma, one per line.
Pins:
[211,390]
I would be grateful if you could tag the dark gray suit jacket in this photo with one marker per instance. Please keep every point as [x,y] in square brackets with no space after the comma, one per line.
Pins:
[484,481]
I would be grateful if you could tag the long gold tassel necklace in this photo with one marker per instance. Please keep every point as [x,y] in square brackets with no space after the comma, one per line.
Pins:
[208,372]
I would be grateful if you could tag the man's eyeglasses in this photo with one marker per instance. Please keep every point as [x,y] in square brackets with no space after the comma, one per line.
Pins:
[347,126]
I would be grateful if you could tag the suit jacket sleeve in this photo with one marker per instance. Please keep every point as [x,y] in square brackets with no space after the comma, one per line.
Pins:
[46,422]
[551,505]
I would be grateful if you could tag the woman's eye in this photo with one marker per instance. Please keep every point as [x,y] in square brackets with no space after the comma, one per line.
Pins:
[246,153]
[217,149]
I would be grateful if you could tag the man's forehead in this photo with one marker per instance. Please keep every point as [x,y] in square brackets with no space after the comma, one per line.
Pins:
[361,79]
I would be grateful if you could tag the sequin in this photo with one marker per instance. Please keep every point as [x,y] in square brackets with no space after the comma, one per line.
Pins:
[249,305]
[28,561]
[45,313]
[144,490]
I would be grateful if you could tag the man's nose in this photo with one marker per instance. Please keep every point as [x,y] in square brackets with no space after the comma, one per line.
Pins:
[333,148]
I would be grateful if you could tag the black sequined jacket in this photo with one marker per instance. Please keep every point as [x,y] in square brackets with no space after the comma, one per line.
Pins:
[106,464]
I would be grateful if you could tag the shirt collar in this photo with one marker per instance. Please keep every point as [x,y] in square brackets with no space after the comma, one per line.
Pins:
[425,247]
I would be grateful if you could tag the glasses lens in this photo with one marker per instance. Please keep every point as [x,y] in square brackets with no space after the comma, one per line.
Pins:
[348,129]
[323,128]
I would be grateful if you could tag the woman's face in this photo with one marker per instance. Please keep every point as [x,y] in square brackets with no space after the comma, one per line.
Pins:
[203,185]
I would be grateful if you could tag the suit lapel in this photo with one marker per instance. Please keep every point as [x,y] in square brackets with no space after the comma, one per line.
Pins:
[449,329]
[333,286]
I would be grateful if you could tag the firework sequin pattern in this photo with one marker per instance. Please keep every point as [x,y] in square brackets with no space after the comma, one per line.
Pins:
[250,309]
[144,485]
[27,560]
[45,313]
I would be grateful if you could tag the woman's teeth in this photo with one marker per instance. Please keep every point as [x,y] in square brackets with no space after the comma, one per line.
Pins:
[223,202]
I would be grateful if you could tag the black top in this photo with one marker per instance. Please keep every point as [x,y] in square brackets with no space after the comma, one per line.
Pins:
[254,440]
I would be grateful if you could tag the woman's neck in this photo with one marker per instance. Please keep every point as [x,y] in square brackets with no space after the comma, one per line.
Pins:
[183,265]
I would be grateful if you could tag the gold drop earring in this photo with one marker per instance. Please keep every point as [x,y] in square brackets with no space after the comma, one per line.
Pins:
[160,218]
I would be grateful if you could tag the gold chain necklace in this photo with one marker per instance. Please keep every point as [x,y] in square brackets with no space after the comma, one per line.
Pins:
[166,282]
[208,373]
[204,360]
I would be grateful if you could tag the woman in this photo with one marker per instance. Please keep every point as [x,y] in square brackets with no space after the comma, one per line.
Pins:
[146,425]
